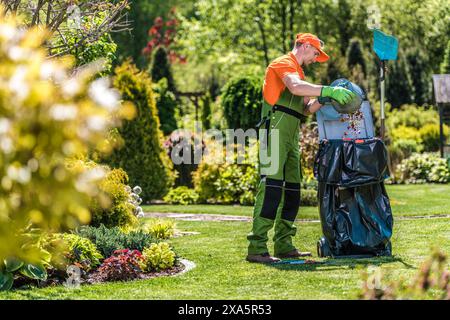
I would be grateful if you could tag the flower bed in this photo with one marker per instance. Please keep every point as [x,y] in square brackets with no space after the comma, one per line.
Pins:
[95,254]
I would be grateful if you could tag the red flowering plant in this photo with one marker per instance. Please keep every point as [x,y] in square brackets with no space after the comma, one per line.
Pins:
[124,264]
[163,33]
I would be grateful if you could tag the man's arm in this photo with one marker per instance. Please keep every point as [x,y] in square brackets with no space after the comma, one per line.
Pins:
[300,87]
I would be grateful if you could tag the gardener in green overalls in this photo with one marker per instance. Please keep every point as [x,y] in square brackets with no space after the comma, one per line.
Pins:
[286,96]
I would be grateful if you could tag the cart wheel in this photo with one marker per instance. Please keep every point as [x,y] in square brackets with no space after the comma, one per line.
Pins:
[319,249]
[323,248]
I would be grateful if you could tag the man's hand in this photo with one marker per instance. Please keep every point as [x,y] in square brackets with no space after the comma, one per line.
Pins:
[341,95]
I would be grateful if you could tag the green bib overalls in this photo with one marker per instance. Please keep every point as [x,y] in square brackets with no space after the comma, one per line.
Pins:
[278,197]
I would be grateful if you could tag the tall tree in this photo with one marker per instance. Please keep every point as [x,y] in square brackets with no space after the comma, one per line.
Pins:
[161,68]
[344,24]
[355,56]
[206,112]
[420,80]
[398,83]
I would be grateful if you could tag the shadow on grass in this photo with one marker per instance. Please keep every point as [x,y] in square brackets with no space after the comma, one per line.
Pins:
[336,264]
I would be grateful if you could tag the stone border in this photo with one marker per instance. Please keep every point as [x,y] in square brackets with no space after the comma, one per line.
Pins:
[188,266]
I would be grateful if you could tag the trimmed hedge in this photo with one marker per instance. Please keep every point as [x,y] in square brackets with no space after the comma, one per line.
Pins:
[241,102]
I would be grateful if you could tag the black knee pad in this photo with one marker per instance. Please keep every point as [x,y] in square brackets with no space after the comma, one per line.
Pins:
[291,201]
[272,198]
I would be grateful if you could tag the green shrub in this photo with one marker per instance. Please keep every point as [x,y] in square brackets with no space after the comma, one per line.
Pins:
[226,183]
[401,149]
[430,135]
[241,102]
[181,195]
[234,181]
[159,229]
[142,155]
[204,178]
[308,198]
[72,249]
[406,133]
[422,168]
[411,115]
[159,256]
[107,240]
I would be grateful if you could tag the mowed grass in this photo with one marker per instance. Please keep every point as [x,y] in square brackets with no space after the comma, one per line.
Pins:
[406,200]
[222,273]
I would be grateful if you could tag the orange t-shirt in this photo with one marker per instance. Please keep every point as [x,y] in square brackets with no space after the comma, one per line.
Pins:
[277,69]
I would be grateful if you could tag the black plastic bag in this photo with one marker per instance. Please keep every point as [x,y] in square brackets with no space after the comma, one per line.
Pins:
[354,207]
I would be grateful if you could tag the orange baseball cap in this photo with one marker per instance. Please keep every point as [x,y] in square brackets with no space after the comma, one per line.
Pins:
[315,42]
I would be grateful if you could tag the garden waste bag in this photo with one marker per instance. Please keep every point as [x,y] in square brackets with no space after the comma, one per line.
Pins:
[354,207]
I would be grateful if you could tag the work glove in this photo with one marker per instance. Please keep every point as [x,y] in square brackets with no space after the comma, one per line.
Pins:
[341,95]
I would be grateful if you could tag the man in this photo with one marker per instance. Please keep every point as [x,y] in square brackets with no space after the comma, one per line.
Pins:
[286,96]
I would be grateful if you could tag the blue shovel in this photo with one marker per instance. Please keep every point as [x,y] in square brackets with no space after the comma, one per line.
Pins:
[386,48]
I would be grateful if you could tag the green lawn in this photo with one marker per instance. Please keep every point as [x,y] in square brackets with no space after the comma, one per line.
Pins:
[222,272]
[406,200]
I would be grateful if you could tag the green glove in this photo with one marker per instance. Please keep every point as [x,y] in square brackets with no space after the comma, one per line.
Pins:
[341,95]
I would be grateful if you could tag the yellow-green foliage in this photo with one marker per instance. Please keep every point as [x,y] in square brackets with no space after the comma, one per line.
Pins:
[407,133]
[159,229]
[120,213]
[111,206]
[47,114]
[411,116]
[181,195]
[217,181]
[159,256]
[68,249]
